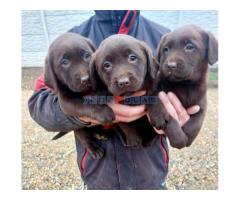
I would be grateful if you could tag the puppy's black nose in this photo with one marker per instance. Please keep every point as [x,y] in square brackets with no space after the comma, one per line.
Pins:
[122,82]
[84,79]
[171,65]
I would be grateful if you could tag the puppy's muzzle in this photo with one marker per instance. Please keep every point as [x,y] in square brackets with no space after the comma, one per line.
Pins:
[174,65]
[83,79]
[171,65]
[123,82]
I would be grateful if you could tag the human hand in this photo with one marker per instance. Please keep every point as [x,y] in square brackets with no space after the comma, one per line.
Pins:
[174,107]
[125,113]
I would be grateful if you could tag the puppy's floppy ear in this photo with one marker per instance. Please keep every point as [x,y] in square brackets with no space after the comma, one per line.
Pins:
[90,43]
[212,49]
[94,77]
[159,48]
[49,75]
[152,64]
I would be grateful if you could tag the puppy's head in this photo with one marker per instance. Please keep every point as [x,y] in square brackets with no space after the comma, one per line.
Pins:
[184,54]
[67,63]
[122,64]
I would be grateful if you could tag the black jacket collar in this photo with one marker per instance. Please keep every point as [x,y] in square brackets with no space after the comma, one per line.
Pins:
[115,17]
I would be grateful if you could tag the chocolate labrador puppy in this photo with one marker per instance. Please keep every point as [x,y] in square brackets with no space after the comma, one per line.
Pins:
[184,55]
[67,74]
[123,65]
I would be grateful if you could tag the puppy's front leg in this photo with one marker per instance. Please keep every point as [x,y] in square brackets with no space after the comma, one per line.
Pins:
[177,137]
[76,107]
[129,135]
[102,113]
[160,119]
[193,126]
[88,141]
[158,114]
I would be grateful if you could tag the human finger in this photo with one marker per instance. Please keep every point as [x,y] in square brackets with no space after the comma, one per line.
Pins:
[167,104]
[126,111]
[193,109]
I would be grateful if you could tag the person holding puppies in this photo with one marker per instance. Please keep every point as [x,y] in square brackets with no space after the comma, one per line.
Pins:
[121,167]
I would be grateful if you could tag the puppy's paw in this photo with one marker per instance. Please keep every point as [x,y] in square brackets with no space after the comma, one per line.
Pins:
[134,142]
[100,136]
[96,151]
[158,119]
[104,114]
[160,123]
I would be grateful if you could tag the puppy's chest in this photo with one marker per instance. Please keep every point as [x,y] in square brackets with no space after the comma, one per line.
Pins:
[188,94]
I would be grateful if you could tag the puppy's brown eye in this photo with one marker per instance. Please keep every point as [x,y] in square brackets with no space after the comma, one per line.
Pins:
[86,56]
[107,65]
[165,50]
[189,47]
[132,58]
[65,61]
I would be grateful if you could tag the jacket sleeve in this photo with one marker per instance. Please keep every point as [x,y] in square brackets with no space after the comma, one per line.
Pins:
[44,108]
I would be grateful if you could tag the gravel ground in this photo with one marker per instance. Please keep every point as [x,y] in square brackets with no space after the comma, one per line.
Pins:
[52,165]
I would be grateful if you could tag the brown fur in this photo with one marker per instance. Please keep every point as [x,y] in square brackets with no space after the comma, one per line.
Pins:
[121,66]
[184,55]
[67,74]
